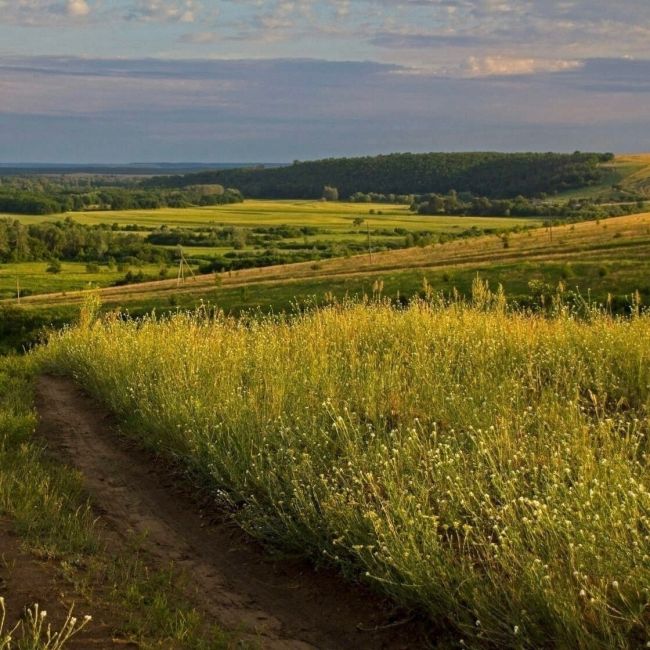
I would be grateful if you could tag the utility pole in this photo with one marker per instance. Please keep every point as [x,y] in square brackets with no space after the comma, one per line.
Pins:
[181,268]
[369,246]
[181,274]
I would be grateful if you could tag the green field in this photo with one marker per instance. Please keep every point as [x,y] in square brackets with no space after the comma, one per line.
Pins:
[33,278]
[333,216]
[332,234]
[609,256]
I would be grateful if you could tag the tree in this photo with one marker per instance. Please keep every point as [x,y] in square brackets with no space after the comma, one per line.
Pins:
[330,193]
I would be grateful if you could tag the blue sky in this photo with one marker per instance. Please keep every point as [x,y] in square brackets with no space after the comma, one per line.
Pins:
[276,80]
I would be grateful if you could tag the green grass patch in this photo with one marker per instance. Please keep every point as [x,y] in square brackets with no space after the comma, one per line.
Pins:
[252,213]
[33,277]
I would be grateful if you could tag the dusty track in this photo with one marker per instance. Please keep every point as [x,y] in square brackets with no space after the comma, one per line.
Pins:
[281,604]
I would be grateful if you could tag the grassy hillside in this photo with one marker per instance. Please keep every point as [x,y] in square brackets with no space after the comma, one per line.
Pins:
[614,255]
[625,177]
[636,176]
[483,467]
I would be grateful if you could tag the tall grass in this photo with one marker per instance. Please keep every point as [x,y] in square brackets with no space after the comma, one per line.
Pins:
[487,468]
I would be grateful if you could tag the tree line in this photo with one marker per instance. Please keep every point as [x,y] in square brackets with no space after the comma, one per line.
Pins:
[490,174]
[53,199]
[71,241]
[465,204]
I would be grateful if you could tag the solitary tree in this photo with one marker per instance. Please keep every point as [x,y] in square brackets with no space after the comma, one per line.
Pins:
[330,193]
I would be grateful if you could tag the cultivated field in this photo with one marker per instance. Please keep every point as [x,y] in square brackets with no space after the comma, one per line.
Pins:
[337,216]
[483,467]
[331,232]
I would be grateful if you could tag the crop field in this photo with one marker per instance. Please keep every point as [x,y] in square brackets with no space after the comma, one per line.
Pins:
[331,232]
[481,466]
[336,216]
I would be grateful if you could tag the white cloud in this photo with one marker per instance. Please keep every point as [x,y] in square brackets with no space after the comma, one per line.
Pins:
[505,66]
[172,11]
[77,8]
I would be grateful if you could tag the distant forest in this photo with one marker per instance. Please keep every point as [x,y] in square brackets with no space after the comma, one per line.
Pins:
[38,196]
[493,175]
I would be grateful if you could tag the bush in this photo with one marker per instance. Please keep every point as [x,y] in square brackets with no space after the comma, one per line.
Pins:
[54,267]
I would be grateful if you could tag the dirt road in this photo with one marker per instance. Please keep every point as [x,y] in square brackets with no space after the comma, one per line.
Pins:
[282,604]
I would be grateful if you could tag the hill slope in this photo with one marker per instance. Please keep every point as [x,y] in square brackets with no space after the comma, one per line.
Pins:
[606,249]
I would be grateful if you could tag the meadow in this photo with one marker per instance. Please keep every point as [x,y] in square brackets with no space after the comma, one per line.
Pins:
[337,216]
[33,277]
[482,466]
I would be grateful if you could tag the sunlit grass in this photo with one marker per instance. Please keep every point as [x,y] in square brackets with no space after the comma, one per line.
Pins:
[251,213]
[483,466]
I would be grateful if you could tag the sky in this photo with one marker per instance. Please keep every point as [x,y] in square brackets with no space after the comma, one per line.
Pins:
[116,81]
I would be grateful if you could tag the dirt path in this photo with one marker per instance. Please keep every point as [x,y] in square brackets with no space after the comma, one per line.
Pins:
[281,603]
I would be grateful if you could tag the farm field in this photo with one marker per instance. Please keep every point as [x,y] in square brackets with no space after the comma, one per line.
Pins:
[337,216]
[481,467]
[329,231]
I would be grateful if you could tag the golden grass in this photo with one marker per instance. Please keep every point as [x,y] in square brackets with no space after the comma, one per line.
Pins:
[488,468]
